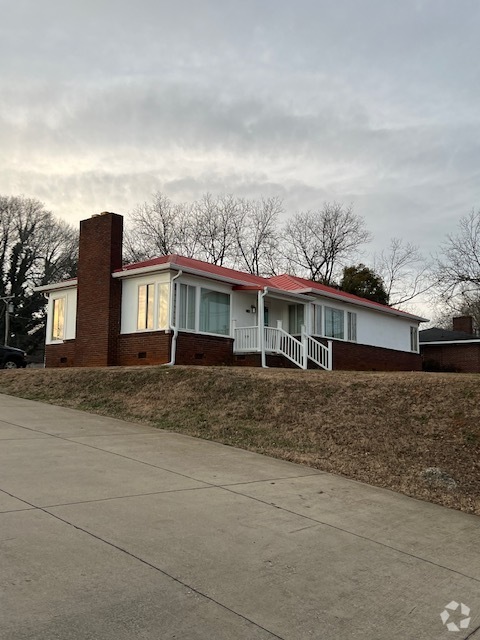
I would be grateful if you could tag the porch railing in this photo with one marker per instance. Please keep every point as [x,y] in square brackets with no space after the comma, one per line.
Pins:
[276,340]
[318,352]
[246,339]
[288,346]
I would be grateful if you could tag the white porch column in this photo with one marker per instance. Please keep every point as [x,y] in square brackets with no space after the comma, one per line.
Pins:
[303,339]
[261,325]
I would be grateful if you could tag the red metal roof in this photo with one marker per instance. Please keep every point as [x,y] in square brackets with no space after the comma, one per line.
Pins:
[294,283]
[284,282]
[199,265]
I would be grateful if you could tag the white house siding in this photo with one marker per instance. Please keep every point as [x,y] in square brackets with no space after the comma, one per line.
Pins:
[242,301]
[382,330]
[376,328]
[70,296]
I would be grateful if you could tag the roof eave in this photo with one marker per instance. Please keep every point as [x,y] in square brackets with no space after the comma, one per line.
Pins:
[365,303]
[442,342]
[45,288]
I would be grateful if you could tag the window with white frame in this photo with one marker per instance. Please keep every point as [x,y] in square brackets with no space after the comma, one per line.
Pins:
[317,323]
[163,300]
[334,323]
[414,339]
[214,312]
[296,317]
[145,309]
[351,326]
[187,298]
[58,319]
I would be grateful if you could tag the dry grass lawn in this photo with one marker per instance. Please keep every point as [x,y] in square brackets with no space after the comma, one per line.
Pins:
[416,433]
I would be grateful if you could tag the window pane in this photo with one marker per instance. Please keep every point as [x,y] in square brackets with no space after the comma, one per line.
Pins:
[146,293]
[296,317]
[317,320]
[334,323]
[182,307]
[186,311]
[58,324]
[352,326]
[413,339]
[150,303]
[163,293]
[191,308]
[215,312]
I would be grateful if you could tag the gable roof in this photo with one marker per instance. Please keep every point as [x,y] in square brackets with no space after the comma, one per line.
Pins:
[436,334]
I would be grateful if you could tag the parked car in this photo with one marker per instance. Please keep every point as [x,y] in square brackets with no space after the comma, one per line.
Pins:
[11,358]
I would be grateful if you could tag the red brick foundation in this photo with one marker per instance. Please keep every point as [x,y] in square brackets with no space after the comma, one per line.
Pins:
[464,358]
[60,355]
[205,350]
[143,348]
[153,348]
[349,356]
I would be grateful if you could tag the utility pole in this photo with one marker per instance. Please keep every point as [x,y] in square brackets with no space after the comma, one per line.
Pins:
[8,310]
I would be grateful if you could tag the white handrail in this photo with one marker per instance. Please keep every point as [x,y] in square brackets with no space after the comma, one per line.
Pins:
[318,352]
[282,342]
[276,340]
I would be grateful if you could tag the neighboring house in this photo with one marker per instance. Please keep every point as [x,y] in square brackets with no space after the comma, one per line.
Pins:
[457,350]
[178,310]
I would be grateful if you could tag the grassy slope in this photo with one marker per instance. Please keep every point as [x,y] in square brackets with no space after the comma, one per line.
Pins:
[380,428]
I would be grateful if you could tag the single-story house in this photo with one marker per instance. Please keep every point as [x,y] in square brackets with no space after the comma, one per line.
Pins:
[178,310]
[457,350]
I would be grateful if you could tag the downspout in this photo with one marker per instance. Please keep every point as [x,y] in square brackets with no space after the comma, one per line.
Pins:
[261,325]
[174,326]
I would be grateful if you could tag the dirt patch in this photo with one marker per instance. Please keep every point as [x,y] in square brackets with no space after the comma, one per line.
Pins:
[385,429]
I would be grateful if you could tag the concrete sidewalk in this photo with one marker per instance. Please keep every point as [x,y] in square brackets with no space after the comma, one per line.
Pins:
[110,530]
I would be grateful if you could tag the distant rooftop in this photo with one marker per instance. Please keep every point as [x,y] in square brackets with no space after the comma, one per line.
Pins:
[436,334]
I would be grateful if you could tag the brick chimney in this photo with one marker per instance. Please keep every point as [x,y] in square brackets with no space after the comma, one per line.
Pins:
[463,323]
[98,294]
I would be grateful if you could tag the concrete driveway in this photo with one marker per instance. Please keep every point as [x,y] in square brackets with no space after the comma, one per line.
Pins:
[111,530]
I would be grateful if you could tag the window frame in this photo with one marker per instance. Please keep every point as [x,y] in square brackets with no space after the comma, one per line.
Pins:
[56,337]
[197,287]
[200,317]
[352,318]
[149,312]
[414,346]
[317,315]
[334,310]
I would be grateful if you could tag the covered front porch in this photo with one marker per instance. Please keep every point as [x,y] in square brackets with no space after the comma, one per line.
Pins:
[266,321]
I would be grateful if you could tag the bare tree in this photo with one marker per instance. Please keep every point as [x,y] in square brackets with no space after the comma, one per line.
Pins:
[257,236]
[159,229]
[404,271]
[35,249]
[214,222]
[458,266]
[319,243]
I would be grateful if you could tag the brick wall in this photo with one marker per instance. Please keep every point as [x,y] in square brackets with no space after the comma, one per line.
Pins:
[143,348]
[205,350]
[99,295]
[349,356]
[255,360]
[464,358]
[60,355]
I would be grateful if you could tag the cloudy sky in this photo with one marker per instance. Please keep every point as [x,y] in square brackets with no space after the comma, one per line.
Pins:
[369,102]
